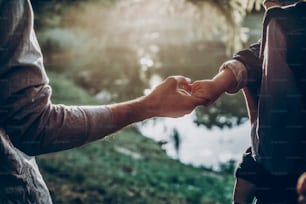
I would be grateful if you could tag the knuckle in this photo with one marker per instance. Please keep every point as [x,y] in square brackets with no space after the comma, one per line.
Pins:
[171,79]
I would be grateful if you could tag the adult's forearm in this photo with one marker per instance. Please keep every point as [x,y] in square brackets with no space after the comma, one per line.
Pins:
[61,127]
[36,126]
[126,113]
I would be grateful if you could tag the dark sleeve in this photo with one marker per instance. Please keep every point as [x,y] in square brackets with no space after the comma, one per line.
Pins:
[36,126]
[250,58]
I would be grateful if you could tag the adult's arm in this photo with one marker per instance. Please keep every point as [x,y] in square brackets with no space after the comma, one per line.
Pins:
[36,126]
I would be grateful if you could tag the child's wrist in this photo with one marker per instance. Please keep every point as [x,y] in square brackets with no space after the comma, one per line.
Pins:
[224,81]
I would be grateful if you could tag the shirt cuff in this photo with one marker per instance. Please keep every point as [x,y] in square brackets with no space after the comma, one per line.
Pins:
[239,71]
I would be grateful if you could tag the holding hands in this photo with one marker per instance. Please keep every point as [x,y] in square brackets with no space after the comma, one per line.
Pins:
[171,98]
[205,90]
[174,97]
[210,90]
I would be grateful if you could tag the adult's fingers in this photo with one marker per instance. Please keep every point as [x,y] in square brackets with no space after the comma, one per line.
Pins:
[178,80]
[184,92]
[194,101]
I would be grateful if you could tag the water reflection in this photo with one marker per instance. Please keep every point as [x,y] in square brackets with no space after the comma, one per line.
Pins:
[199,146]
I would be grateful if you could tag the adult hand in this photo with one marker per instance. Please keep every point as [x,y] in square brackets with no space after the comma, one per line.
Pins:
[171,98]
[168,99]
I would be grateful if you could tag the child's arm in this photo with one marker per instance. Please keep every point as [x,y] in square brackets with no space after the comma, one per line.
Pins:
[210,90]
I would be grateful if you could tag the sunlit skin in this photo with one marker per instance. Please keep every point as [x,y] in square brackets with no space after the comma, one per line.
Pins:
[210,90]
[161,102]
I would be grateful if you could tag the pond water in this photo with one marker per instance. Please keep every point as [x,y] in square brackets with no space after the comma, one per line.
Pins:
[199,146]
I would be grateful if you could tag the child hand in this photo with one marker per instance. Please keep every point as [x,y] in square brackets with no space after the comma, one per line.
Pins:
[205,90]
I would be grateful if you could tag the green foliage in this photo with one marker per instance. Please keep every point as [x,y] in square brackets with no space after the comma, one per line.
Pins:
[128,168]
[229,6]
[66,92]
[234,12]
[49,13]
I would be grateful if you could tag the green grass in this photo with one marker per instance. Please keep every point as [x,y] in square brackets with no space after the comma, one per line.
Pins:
[129,168]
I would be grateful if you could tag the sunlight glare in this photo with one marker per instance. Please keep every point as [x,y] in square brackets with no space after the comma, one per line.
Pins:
[154,81]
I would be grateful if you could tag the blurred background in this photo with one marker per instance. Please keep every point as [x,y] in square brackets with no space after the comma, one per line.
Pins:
[107,51]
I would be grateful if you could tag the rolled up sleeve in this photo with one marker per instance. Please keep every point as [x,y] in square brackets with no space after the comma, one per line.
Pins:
[239,71]
[253,63]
